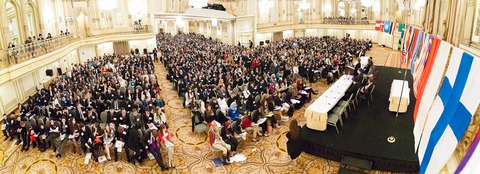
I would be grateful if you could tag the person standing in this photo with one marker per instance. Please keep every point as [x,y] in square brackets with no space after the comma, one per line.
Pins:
[294,143]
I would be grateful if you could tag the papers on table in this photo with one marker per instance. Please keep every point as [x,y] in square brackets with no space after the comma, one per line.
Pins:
[303,92]
[260,121]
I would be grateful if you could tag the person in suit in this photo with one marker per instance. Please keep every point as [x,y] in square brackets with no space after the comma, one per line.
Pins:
[86,141]
[367,89]
[294,143]
[150,142]
[134,137]
[351,90]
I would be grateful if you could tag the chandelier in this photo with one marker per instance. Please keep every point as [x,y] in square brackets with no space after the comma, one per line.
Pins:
[304,5]
[107,5]
[265,5]
[367,3]
[401,6]
[198,3]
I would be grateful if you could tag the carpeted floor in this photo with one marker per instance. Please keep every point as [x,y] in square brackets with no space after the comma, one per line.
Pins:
[266,156]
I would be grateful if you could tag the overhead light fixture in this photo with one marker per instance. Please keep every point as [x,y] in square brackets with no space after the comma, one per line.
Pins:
[265,5]
[107,5]
[304,5]
[198,3]
[367,3]
[419,4]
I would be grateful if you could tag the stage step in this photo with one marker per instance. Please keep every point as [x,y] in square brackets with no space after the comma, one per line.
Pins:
[348,171]
[355,162]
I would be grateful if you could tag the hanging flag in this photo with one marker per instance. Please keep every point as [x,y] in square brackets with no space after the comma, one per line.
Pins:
[430,80]
[471,159]
[420,64]
[412,44]
[421,51]
[394,27]
[416,51]
[386,26]
[401,29]
[451,112]
[378,25]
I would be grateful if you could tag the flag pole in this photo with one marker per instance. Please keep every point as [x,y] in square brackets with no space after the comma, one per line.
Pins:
[392,138]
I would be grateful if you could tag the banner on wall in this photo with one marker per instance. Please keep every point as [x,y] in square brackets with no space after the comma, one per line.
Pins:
[451,112]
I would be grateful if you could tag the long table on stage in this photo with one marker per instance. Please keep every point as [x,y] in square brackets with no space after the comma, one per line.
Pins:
[317,113]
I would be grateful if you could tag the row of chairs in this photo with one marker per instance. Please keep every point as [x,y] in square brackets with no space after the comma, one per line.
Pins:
[343,106]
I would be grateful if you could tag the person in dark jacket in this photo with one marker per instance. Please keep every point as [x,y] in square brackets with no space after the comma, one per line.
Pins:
[150,143]
[121,135]
[133,140]
[294,143]
[86,141]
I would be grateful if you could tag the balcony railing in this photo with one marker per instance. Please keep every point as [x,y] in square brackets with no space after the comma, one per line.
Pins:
[25,52]
[331,21]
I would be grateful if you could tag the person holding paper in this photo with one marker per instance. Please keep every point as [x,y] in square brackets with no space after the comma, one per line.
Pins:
[216,141]
[166,144]
[85,138]
[98,134]
[120,138]
[249,125]
[64,134]
[109,138]
[75,130]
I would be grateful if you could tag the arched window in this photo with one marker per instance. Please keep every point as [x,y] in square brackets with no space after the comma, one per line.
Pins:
[341,9]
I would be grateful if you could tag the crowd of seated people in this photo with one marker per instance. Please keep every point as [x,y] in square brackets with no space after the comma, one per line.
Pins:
[238,88]
[345,20]
[111,103]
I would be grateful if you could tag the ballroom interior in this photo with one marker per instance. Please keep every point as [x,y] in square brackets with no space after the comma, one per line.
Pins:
[80,30]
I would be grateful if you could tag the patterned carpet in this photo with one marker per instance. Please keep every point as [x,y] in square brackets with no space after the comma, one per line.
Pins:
[191,155]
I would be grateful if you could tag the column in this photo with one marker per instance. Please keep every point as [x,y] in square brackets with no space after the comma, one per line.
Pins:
[4,30]
[39,20]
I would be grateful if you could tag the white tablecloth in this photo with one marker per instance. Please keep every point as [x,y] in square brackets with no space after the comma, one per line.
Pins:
[317,113]
[395,93]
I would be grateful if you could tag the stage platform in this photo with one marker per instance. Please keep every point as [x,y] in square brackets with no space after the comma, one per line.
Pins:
[364,134]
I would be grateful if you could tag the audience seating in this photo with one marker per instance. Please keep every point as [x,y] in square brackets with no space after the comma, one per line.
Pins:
[333,119]
[370,97]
